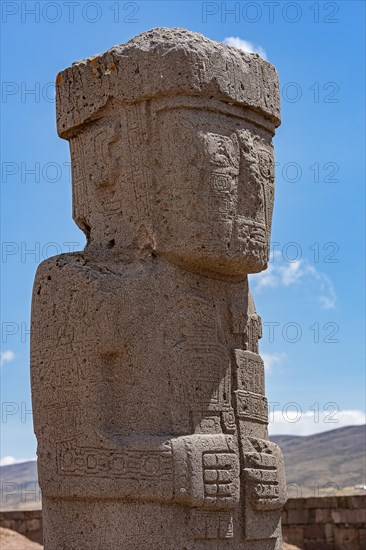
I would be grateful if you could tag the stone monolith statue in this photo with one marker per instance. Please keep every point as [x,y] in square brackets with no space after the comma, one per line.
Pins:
[148,390]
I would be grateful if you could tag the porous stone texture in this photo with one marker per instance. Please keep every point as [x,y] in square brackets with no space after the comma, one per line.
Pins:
[148,389]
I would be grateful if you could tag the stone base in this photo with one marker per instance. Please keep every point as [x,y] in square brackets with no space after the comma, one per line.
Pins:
[101,525]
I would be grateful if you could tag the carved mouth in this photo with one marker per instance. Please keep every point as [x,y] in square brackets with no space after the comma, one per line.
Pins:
[252,230]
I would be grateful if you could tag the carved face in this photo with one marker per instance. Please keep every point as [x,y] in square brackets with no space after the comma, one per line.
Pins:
[200,191]
[215,184]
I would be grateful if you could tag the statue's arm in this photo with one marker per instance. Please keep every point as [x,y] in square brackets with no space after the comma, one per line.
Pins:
[194,470]
[79,458]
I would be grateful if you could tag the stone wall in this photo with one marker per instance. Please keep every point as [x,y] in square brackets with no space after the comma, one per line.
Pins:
[323,523]
[326,523]
[25,522]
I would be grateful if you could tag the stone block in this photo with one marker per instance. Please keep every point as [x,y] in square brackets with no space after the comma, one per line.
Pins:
[317,545]
[295,503]
[329,535]
[321,502]
[342,515]
[294,535]
[298,516]
[314,532]
[32,525]
[323,515]
[362,537]
[356,501]
[346,538]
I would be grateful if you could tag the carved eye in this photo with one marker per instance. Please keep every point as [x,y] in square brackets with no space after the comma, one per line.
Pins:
[221,151]
[266,164]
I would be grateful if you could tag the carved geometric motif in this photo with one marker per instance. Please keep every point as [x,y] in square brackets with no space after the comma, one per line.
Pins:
[211,524]
[220,476]
[251,406]
[264,474]
[249,371]
[127,464]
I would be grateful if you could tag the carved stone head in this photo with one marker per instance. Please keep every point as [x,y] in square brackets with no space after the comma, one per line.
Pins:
[215,183]
[172,153]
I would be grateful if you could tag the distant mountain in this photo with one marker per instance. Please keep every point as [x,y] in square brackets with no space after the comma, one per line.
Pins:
[19,489]
[324,463]
[336,457]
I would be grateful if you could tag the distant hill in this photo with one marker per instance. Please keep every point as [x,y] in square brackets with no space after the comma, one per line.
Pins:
[336,457]
[312,462]
[19,489]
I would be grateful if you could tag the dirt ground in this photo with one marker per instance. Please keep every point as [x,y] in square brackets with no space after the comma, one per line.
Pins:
[10,540]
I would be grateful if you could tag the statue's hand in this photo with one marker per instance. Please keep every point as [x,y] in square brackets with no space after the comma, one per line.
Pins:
[206,471]
[264,472]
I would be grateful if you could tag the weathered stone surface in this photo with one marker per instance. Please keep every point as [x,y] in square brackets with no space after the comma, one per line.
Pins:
[163,63]
[148,390]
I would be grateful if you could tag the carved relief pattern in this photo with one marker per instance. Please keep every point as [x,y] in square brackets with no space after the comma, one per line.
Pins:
[251,406]
[253,333]
[127,464]
[249,372]
[219,471]
[80,202]
[210,525]
[264,473]
[136,134]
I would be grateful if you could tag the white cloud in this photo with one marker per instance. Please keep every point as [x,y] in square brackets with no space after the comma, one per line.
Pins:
[244,45]
[272,359]
[329,299]
[281,273]
[9,460]
[291,420]
[292,273]
[6,356]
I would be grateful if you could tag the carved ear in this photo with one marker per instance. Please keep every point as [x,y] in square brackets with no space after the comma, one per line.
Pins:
[80,202]
[145,239]
[249,158]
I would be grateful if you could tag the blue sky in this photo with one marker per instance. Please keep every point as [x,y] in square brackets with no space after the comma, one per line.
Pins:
[311,298]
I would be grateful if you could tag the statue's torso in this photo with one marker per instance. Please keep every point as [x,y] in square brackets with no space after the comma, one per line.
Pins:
[142,352]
